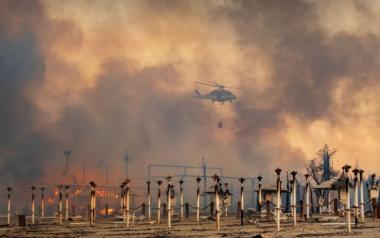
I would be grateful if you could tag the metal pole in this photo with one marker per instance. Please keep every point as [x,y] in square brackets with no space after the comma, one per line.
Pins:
[181,198]
[294,197]
[9,205]
[42,203]
[278,205]
[168,178]
[361,194]
[149,198]
[67,202]
[241,201]
[159,182]
[204,181]
[198,193]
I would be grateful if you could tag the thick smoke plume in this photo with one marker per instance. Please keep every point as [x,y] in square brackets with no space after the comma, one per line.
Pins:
[102,78]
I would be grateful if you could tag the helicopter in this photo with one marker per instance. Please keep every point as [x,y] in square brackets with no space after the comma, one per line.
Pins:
[219,95]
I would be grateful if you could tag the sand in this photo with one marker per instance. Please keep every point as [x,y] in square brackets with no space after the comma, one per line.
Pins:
[230,227]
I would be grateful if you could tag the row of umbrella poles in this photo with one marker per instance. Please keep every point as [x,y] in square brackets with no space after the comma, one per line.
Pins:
[33,215]
[126,211]
[125,194]
[358,186]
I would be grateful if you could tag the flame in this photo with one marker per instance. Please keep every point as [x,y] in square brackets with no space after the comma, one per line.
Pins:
[77,192]
[104,193]
[103,211]
[50,201]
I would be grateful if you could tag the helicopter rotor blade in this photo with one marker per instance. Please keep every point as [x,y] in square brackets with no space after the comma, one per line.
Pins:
[213,85]
[218,85]
[223,86]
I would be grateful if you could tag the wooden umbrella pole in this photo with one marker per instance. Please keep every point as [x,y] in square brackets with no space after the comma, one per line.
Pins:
[60,205]
[259,194]
[9,205]
[346,168]
[127,201]
[159,182]
[33,205]
[198,199]
[181,199]
[67,202]
[241,201]
[356,195]
[307,196]
[361,194]
[168,205]
[149,198]
[226,205]
[122,200]
[216,194]
[92,203]
[42,203]
[278,205]
[294,197]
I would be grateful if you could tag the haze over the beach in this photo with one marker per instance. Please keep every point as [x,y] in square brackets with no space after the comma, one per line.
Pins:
[104,77]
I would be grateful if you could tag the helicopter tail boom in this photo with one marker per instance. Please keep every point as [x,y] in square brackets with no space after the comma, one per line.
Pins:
[198,94]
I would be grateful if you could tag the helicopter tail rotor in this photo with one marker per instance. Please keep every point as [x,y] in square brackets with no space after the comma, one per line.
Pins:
[197,93]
